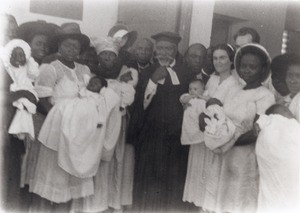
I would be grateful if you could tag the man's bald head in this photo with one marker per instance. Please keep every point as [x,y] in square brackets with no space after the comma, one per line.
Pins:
[195,57]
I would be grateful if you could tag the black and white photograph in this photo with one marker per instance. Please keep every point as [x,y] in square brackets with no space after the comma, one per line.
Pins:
[150,106]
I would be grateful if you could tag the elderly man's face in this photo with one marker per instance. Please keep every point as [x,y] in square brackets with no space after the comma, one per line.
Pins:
[242,40]
[165,52]
[143,51]
[195,59]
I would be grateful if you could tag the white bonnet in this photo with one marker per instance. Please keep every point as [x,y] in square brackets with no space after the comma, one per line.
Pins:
[10,46]
[107,44]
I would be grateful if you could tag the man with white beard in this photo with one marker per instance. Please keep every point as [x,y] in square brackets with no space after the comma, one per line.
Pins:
[161,160]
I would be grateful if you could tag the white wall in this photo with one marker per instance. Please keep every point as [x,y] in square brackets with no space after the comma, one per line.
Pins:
[267,17]
[201,23]
[98,15]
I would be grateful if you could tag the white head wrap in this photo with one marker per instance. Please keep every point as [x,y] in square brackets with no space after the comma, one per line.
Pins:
[107,44]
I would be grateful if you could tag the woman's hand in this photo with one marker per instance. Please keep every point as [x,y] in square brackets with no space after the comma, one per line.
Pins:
[202,123]
[246,138]
[185,99]
[160,73]
[186,105]
[44,106]
[206,98]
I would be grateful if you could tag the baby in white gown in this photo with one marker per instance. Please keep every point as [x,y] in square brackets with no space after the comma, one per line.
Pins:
[75,128]
[23,70]
[277,150]
[194,106]
[218,128]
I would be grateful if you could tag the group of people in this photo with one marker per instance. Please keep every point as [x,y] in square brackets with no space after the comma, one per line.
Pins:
[125,124]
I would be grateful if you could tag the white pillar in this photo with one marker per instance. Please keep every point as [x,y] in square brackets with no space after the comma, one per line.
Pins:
[201,23]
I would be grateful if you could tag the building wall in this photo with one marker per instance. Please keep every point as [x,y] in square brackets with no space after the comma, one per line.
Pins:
[267,17]
[201,24]
[192,19]
[98,16]
[150,17]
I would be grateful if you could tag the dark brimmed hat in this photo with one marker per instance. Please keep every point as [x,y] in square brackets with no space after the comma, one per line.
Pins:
[167,36]
[120,30]
[70,30]
[28,30]
[258,50]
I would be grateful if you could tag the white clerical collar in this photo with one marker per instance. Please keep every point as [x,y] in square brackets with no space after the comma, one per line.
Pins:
[172,64]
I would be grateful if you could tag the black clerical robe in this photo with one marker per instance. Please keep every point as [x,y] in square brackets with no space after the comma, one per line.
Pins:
[161,159]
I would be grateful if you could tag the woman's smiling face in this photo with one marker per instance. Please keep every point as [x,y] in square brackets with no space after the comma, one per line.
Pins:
[251,68]
[69,49]
[221,61]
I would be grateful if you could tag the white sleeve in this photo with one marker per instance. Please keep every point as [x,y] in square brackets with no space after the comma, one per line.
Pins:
[33,69]
[149,93]
[264,103]
[46,81]
[127,94]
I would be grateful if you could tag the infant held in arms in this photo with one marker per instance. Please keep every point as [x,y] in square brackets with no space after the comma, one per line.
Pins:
[75,128]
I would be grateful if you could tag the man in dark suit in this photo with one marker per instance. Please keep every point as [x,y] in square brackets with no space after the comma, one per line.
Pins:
[161,160]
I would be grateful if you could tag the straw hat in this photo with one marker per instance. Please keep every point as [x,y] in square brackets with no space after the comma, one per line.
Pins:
[71,30]
[28,30]
[120,30]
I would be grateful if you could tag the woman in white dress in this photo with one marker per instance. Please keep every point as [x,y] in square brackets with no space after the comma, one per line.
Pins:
[238,184]
[60,80]
[204,164]
[114,179]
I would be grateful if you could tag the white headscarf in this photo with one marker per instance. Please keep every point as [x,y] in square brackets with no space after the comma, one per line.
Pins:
[107,44]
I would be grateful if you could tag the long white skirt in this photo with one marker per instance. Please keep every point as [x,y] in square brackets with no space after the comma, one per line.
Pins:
[55,184]
[202,177]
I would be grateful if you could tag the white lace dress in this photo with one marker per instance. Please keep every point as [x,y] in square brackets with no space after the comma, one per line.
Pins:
[203,165]
[51,182]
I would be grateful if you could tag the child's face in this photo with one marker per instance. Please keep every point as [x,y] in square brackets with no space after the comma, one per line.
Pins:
[94,85]
[18,57]
[196,88]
